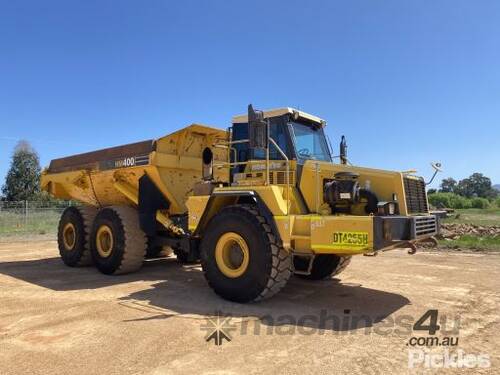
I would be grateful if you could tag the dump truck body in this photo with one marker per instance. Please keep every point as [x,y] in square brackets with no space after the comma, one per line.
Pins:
[173,162]
[256,202]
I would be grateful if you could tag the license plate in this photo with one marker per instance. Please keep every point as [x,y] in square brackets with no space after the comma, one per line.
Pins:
[352,240]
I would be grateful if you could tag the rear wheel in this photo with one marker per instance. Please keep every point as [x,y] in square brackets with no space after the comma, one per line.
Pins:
[324,266]
[73,235]
[241,257]
[118,245]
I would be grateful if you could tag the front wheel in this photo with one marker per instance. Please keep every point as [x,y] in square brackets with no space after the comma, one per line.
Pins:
[241,257]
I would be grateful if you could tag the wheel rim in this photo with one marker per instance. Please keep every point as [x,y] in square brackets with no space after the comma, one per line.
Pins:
[232,255]
[69,236]
[104,241]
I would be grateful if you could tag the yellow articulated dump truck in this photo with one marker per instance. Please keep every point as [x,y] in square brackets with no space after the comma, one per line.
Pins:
[254,204]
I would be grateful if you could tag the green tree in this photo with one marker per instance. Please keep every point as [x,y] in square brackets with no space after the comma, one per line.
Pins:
[23,178]
[448,185]
[476,185]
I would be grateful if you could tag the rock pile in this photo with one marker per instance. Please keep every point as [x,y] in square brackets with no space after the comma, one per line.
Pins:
[454,231]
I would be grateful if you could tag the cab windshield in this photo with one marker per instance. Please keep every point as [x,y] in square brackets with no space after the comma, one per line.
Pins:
[310,142]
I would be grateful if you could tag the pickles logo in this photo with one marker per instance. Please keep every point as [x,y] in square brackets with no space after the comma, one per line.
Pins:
[447,359]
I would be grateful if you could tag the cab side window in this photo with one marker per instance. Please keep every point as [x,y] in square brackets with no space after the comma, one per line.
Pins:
[278,133]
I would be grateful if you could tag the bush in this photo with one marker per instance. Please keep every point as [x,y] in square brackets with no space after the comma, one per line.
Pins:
[449,200]
[440,200]
[497,202]
[480,203]
[457,201]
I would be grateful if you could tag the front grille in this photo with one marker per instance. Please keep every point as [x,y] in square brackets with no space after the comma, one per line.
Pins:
[424,226]
[416,199]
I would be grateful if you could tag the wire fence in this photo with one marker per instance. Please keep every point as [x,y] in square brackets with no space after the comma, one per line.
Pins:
[30,217]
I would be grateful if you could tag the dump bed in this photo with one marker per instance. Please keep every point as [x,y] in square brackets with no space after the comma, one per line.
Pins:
[110,176]
[102,158]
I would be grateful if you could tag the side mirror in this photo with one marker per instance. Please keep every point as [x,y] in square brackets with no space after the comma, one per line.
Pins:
[437,168]
[257,129]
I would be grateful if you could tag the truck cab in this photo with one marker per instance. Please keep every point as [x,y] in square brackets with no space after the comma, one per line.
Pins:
[283,158]
[299,135]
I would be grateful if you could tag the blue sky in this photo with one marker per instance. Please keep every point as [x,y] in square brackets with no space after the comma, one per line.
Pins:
[407,82]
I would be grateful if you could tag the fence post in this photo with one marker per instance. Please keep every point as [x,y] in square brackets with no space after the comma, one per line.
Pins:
[25,214]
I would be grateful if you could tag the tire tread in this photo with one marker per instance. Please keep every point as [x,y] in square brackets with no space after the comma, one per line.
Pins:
[281,266]
[88,215]
[135,240]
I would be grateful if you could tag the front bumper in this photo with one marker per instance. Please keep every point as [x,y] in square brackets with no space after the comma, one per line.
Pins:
[390,230]
[350,235]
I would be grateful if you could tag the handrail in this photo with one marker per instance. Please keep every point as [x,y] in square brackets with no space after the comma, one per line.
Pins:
[270,140]
[237,163]
[287,173]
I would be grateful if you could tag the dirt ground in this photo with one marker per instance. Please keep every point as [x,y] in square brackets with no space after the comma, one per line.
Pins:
[55,319]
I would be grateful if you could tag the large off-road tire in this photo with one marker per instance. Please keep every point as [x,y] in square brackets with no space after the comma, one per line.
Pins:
[325,266]
[242,259]
[73,235]
[117,243]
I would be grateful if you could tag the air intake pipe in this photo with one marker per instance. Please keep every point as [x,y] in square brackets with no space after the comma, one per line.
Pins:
[344,191]
[208,164]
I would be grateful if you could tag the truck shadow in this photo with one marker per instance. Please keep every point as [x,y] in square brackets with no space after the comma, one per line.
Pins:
[53,274]
[326,305]
[181,291]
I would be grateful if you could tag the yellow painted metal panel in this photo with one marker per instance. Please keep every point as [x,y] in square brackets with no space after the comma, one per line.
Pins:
[272,195]
[174,167]
[326,234]
[196,206]
[383,183]
[326,230]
